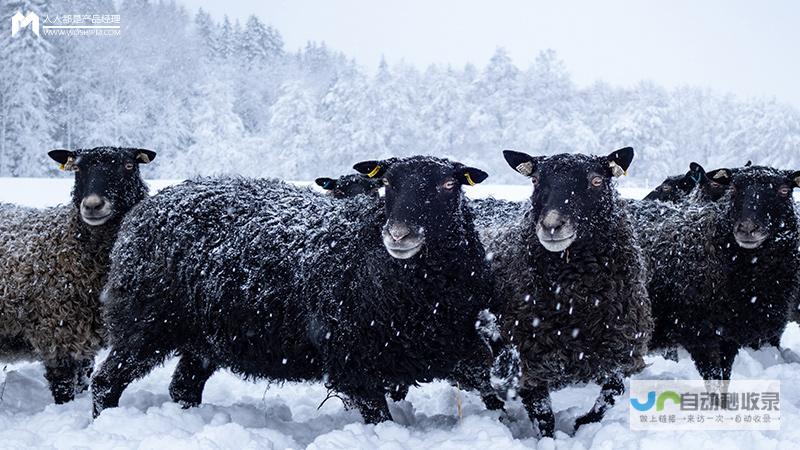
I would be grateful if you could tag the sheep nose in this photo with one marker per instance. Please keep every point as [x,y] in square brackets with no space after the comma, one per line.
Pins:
[553,220]
[398,231]
[747,226]
[93,203]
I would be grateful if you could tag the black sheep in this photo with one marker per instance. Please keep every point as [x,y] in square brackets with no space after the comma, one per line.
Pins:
[711,188]
[694,185]
[572,279]
[674,188]
[350,185]
[277,282]
[724,274]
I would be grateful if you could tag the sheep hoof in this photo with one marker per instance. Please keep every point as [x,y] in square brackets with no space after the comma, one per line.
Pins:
[186,404]
[546,429]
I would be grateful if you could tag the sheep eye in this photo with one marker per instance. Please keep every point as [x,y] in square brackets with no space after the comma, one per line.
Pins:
[449,185]
[663,188]
[784,191]
[129,166]
[385,182]
[535,180]
[715,185]
[598,181]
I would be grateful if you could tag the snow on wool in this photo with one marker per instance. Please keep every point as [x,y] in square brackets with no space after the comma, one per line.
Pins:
[240,413]
[53,265]
[276,282]
[714,293]
[581,313]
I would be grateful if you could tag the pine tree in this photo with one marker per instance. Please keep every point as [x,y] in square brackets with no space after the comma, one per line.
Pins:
[293,128]
[204,27]
[26,75]
[260,43]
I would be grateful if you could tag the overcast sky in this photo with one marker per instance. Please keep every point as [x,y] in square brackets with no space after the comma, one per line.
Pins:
[746,47]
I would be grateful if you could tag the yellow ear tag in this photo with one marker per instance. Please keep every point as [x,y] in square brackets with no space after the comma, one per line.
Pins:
[469,179]
[374,171]
[69,165]
[616,169]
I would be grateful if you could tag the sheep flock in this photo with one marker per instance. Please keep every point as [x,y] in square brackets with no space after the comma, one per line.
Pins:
[392,277]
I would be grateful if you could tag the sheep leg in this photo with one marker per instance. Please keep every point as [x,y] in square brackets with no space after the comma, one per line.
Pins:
[122,366]
[189,380]
[476,375]
[714,363]
[540,409]
[670,354]
[373,408]
[608,393]
[62,376]
[398,393]
[727,353]
[85,375]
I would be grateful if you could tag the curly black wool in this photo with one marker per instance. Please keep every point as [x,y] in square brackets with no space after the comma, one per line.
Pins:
[276,282]
[709,294]
[578,315]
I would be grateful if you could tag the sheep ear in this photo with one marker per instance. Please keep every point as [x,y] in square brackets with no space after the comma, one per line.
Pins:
[143,156]
[61,156]
[64,158]
[620,160]
[696,173]
[721,176]
[371,169]
[521,162]
[795,177]
[470,175]
[326,183]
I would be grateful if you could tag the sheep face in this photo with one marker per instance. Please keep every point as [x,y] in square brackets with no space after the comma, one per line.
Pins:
[350,186]
[570,192]
[673,188]
[761,204]
[423,200]
[107,180]
[714,184]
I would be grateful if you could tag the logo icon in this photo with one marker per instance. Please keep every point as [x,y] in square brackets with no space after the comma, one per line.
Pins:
[18,21]
[659,402]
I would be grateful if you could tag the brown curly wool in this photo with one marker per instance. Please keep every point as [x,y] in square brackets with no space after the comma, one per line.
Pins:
[53,268]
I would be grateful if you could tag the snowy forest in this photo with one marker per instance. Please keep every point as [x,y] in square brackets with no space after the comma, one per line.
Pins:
[224,96]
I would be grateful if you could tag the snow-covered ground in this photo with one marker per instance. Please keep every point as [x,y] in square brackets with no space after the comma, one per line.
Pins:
[240,414]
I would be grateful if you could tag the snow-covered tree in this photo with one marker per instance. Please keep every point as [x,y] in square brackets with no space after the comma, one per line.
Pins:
[215,96]
[26,76]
